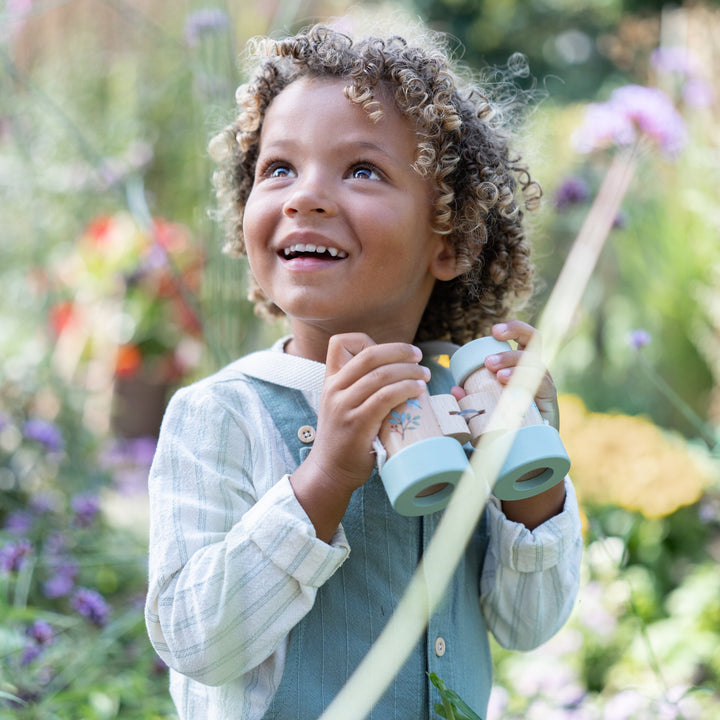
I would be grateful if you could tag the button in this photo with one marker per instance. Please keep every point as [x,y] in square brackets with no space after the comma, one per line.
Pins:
[439,646]
[306,434]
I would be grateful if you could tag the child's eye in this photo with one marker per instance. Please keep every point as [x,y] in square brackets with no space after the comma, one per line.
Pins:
[279,170]
[365,172]
[276,169]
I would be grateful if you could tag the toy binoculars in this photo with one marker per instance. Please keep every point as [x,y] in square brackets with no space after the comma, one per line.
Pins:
[425,439]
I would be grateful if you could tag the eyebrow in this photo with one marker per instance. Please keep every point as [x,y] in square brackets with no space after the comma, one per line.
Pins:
[282,143]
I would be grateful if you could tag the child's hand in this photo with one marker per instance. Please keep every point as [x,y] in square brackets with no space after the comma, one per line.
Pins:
[363,383]
[503,365]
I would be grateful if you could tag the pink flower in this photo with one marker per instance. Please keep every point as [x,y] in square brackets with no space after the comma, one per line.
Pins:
[632,111]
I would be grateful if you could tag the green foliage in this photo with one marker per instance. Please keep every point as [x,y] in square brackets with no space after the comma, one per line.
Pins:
[453,707]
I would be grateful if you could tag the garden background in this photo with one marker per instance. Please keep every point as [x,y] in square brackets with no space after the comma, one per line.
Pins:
[114,291]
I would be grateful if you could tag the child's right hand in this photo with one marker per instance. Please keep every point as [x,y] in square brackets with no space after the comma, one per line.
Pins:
[363,383]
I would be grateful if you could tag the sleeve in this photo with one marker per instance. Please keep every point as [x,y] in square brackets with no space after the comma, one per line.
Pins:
[230,574]
[530,579]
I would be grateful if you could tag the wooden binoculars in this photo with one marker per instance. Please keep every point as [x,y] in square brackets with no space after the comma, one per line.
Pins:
[426,439]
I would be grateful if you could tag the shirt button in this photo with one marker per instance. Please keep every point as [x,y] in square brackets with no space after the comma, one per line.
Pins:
[306,434]
[439,646]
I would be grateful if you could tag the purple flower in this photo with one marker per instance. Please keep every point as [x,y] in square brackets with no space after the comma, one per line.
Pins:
[129,461]
[698,93]
[19,523]
[40,635]
[30,652]
[639,338]
[86,508]
[572,190]
[12,555]
[43,502]
[44,432]
[206,21]
[676,59]
[620,221]
[632,111]
[91,605]
[61,582]
[41,632]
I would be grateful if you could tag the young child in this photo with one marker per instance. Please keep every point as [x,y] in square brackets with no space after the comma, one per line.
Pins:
[377,203]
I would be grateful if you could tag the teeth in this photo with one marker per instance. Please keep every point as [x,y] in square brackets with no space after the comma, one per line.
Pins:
[309,248]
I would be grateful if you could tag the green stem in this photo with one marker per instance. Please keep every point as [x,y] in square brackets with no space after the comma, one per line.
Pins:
[687,412]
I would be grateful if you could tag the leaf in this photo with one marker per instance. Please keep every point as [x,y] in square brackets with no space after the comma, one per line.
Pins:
[454,700]
[11,697]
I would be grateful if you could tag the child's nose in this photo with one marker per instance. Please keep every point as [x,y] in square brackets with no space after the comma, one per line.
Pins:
[310,196]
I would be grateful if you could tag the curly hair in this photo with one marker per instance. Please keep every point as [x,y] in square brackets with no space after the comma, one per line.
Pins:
[480,187]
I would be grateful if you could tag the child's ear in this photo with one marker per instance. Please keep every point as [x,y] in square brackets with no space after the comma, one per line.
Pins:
[444,265]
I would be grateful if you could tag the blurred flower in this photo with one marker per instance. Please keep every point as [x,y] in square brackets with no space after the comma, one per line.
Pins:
[620,221]
[129,460]
[628,461]
[86,507]
[17,12]
[206,21]
[151,276]
[698,93]
[128,360]
[639,338]
[44,432]
[61,582]
[632,111]
[12,555]
[681,63]
[41,632]
[572,190]
[91,605]
[675,59]
[19,523]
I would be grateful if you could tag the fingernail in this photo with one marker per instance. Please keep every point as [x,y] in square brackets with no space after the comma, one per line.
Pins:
[417,352]
[501,328]
[492,359]
[427,372]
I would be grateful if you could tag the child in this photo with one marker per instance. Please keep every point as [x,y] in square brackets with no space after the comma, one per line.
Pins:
[376,203]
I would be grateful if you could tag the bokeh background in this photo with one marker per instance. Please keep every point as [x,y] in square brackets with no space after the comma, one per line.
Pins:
[114,291]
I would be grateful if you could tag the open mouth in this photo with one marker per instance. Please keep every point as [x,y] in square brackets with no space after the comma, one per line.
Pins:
[316,251]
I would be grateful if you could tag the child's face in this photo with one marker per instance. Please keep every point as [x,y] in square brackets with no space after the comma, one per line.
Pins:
[338,224]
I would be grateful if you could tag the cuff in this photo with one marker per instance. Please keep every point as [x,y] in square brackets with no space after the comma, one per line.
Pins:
[544,547]
[281,529]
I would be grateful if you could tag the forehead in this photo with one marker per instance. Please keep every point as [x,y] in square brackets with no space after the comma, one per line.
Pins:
[308,101]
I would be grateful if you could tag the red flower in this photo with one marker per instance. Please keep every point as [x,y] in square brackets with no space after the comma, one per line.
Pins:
[129,360]
[62,316]
[98,229]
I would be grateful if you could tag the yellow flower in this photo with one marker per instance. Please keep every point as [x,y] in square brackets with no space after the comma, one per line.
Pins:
[630,462]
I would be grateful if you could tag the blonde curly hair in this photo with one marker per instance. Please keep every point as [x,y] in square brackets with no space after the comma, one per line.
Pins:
[461,148]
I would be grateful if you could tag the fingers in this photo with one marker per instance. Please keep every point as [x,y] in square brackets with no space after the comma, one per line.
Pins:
[504,365]
[373,381]
[519,331]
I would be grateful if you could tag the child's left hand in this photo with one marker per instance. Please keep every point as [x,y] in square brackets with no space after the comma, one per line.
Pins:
[503,365]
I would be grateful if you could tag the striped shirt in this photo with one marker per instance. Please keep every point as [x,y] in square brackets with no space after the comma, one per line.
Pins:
[235,564]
